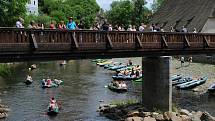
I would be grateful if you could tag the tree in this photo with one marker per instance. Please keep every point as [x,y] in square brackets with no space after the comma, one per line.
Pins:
[139,9]
[157,4]
[84,10]
[11,10]
[120,13]
[128,12]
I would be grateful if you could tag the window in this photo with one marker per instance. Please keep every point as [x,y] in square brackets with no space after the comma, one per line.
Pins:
[29,11]
[34,2]
[29,1]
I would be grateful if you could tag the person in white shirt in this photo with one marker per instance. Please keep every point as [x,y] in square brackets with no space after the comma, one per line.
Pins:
[142,27]
[129,28]
[19,23]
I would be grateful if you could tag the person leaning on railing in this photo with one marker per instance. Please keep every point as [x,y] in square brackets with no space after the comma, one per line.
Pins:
[71,25]
[20,22]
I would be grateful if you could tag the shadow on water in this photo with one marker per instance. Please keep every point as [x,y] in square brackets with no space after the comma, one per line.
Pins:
[84,85]
[83,88]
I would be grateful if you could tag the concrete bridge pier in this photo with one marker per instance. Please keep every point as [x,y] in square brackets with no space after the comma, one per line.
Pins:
[157,87]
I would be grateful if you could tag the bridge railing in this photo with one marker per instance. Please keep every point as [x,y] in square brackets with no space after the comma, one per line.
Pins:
[46,40]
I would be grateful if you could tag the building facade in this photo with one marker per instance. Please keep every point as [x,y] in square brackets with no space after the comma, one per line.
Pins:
[32,7]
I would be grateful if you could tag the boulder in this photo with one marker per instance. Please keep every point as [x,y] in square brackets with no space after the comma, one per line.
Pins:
[166,116]
[185,118]
[3,106]
[207,117]
[196,90]
[133,114]
[3,115]
[196,116]
[134,119]
[154,114]
[3,110]
[185,112]
[146,114]
[159,117]
[174,116]
[105,108]
[149,119]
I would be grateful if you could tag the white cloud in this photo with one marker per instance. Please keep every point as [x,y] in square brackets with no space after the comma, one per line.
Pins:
[105,4]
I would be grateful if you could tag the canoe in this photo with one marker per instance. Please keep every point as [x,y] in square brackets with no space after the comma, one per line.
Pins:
[54,111]
[211,89]
[123,77]
[98,60]
[110,65]
[28,82]
[138,80]
[116,89]
[104,63]
[126,68]
[58,82]
[176,77]
[181,81]
[114,68]
[49,86]
[192,84]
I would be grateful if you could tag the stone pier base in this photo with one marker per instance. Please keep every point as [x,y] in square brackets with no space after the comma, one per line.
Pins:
[157,87]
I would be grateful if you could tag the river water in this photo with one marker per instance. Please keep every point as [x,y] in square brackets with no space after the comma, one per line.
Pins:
[83,88]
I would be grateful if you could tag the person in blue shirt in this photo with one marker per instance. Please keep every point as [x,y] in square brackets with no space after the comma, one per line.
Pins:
[71,25]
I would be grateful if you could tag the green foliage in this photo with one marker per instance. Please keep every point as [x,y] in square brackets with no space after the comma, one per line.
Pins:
[11,10]
[157,4]
[59,10]
[128,12]
[5,70]
[38,19]
[138,15]
[120,13]
[124,102]
[175,108]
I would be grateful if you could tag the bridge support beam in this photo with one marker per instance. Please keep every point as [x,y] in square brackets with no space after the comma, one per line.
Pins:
[157,87]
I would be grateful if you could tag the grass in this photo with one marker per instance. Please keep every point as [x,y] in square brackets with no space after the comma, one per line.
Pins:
[124,102]
[5,70]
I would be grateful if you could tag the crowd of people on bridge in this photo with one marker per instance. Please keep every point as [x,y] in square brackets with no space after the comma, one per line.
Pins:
[71,25]
[105,26]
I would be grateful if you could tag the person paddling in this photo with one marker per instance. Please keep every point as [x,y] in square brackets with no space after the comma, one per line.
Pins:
[52,104]
[48,82]
[29,78]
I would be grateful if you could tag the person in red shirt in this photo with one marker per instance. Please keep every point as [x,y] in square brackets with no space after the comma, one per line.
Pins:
[61,25]
[49,81]
[52,26]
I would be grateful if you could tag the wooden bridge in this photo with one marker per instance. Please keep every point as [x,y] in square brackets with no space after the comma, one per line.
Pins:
[36,44]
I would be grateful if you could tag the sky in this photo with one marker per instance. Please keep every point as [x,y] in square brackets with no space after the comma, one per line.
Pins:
[105,4]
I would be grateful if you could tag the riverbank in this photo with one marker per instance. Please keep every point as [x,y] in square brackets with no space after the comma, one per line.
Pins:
[136,112]
[3,111]
[195,70]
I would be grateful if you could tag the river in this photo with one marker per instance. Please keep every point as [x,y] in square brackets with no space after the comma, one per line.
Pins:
[80,95]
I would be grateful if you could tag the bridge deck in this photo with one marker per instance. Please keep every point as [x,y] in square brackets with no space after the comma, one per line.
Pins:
[22,44]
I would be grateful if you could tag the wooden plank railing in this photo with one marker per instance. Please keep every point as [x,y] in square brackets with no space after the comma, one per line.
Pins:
[46,40]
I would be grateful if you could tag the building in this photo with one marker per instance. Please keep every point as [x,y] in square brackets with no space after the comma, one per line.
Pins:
[32,7]
[199,14]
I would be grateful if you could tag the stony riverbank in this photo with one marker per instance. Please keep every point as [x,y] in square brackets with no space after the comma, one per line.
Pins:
[195,70]
[3,111]
[135,112]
